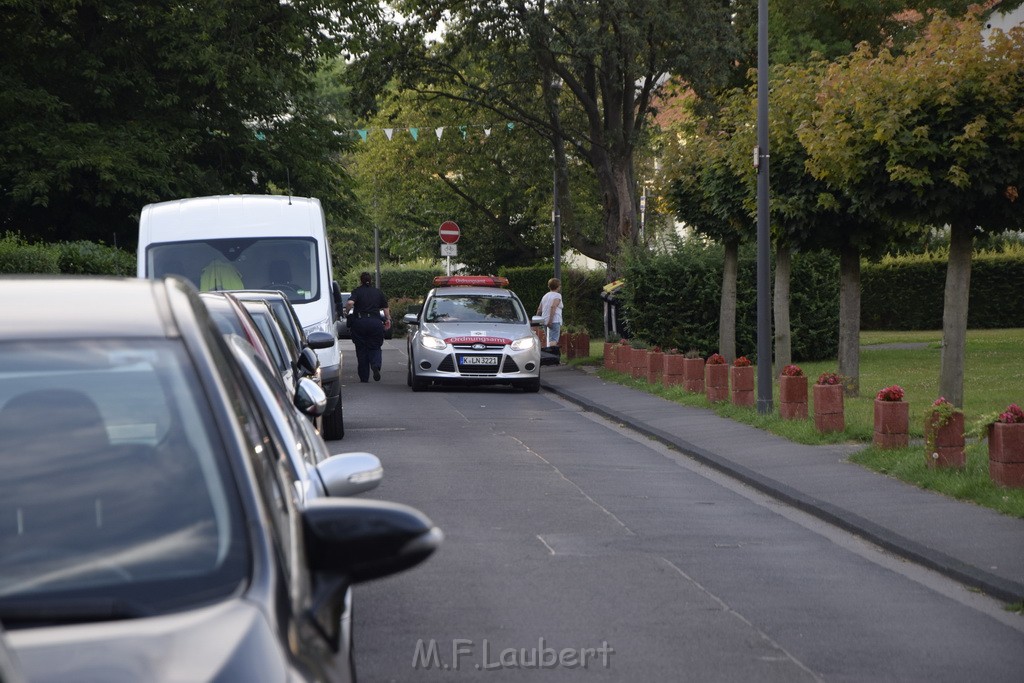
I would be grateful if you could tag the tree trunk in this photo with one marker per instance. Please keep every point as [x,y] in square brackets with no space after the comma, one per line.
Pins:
[619,204]
[783,328]
[727,309]
[954,313]
[849,318]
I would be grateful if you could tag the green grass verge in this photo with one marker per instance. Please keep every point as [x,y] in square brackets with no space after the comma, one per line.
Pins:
[993,379]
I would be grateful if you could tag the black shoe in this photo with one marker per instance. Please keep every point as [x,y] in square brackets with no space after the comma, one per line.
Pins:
[376,374]
[364,381]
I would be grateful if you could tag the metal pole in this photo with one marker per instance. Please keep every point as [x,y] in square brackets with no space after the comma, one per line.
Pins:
[557,219]
[376,255]
[764,312]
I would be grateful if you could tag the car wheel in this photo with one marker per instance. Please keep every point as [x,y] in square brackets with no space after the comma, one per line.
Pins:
[417,383]
[531,386]
[334,424]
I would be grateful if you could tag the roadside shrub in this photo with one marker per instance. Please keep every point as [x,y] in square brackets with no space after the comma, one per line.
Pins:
[91,258]
[18,256]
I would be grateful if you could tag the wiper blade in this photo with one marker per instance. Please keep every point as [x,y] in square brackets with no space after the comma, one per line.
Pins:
[65,611]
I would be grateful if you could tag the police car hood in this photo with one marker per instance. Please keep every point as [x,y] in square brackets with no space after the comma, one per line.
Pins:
[473,333]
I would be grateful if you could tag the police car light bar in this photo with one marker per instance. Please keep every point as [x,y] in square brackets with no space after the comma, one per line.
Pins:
[470,281]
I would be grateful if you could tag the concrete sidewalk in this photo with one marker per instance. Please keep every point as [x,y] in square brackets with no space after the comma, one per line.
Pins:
[974,545]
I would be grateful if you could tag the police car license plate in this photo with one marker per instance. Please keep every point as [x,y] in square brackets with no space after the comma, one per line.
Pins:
[479,360]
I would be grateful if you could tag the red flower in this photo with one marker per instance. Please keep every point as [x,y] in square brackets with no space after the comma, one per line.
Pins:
[742,362]
[830,378]
[1012,415]
[893,393]
[716,359]
[792,371]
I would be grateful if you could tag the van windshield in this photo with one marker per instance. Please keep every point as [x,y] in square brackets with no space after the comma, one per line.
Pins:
[288,264]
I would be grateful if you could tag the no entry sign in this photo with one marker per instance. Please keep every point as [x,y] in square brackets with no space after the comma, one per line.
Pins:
[449,232]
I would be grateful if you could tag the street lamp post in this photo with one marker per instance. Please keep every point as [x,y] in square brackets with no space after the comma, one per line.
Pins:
[761,156]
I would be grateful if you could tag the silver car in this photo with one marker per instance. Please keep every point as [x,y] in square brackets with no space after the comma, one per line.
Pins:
[472,330]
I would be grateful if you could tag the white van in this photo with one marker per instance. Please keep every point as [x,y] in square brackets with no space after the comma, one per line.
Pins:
[253,242]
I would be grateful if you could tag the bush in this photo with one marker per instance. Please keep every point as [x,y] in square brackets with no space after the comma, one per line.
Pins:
[996,298]
[673,298]
[90,258]
[18,256]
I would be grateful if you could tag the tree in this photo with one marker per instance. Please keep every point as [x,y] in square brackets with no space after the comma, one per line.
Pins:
[596,63]
[933,136]
[491,178]
[106,105]
[707,194]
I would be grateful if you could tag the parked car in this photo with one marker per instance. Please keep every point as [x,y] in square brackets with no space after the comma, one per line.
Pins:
[287,318]
[232,318]
[284,353]
[153,526]
[472,330]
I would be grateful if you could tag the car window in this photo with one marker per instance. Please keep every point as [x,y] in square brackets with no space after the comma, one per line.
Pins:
[474,309]
[113,486]
[275,339]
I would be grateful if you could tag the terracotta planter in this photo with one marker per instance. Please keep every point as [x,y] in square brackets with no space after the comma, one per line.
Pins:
[623,356]
[1006,454]
[792,397]
[655,362]
[742,381]
[892,424]
[693,375]
[944,445]
[716,382]
[609,355]
[582,344]
[638,364]
[672,369]
[828,408]
[568,343]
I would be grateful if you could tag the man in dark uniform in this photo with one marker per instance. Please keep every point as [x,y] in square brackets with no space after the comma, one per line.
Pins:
[364,308]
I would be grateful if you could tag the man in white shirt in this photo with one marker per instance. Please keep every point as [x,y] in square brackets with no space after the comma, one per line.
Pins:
[550,309]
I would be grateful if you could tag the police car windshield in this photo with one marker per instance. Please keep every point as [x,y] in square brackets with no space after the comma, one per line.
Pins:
[466,308]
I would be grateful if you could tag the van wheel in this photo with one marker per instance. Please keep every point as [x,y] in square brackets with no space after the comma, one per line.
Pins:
[334,424]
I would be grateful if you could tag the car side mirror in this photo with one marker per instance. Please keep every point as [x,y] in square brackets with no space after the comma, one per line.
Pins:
[411,319]
[310,399]
[308,363]
[347,474]
[537,321]
[319,340]
[366,539]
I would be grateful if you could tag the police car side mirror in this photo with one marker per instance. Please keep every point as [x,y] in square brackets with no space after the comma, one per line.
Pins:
[537,321]
[410,319]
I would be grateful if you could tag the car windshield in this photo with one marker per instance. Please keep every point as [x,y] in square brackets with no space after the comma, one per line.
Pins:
[112,490]
[287,264]
[474,308]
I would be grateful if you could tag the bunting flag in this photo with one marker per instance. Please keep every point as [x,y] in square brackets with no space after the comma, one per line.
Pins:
[414,132]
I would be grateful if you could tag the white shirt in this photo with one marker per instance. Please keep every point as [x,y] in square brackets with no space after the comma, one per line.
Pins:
[551,300]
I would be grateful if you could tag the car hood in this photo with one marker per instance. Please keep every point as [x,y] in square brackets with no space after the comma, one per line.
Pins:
[468,333]
[228,641]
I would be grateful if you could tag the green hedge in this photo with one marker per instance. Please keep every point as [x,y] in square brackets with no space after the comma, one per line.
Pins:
[581,294]
[76,258]
[672,300]
[906,293]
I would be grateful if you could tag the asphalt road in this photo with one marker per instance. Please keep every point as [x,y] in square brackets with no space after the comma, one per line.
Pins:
[570,540]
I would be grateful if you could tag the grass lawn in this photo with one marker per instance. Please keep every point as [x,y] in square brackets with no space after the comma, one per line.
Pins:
[994,378]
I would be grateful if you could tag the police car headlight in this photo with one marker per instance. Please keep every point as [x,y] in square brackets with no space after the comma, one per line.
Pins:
[524,344]
[433,343]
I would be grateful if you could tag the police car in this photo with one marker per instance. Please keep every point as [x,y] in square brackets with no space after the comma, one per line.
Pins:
[472,330]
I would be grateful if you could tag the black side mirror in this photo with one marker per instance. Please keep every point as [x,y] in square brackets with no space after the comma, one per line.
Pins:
[319,340]
[308,363]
